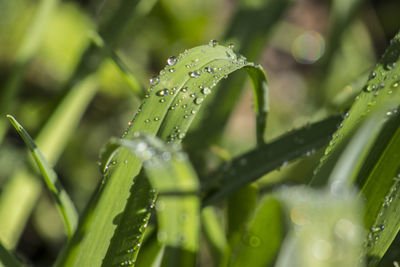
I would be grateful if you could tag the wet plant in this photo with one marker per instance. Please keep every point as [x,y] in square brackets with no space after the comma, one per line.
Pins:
[160,201]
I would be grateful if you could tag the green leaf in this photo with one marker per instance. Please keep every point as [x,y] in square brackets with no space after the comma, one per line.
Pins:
[382,200]
[380,93]
[167,111]
[63,202]
[23,189]
[254,164]
[176,184]
[7,259]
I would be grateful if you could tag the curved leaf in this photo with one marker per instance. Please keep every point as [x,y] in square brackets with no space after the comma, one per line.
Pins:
[168,109]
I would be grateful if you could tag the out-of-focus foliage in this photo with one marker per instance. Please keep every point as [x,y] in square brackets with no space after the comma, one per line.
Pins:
[74,72]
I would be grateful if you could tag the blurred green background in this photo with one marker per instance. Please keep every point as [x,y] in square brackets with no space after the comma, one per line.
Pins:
[313,52]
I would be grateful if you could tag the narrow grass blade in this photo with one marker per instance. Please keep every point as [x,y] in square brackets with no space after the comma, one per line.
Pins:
[21,192]
[261,240]
[382,200]
[168,109]
[25,52]
[7,259]
[381,92]
[64,204]
[324,230]
[214,233]
[252,165]
[354,154]
[178,207]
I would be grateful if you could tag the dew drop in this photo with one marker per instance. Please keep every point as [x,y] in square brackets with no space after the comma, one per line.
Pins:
[396,84]
[146,120]
[254,241]
[198,100]
[181,136]
[231,46]
[213,43]
[208,69]
[184,89]
[162,92]
[162,100]
[156,118]
[372,75]
[206,90]
[194,74]
[171,70]
[172,61]
[154,80]
[146,96]
[370,88]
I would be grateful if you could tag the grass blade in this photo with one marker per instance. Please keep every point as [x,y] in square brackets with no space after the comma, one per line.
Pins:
[21,192]
[167,111]
[252,165]
[64,203]
[176,184]
[382,200]
[7,259]
[381,92]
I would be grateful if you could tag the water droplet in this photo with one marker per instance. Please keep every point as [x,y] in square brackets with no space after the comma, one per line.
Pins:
[193,95]
[172,61]
[181,136]
[156,118]
[184,89]
[154,80]
[186,116]
[162,100]
[372,75]
[206,90]
[254,241]
[198,100]
[208,69]
[231,46]
[146,96]
[194,74]
[396,84]
[171,70]
[162,92]
[213,43]
[193,112]
[146,120]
